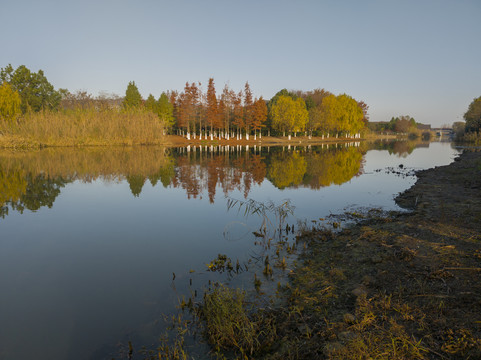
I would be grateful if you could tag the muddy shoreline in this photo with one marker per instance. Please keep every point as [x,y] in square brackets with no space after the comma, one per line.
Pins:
[397,285]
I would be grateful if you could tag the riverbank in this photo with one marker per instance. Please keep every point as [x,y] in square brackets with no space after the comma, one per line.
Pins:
[17,141]
[401,285]
[395,286]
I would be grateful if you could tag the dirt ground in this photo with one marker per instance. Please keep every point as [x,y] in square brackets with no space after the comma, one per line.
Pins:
[397,285]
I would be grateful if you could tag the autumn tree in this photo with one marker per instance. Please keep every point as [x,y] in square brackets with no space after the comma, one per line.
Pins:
[402,124]
[188,107]
[341,114]
[364,107]
[315,121]
[289,115]
[273,101]
[10,103]
[212,111]
[259,114]
[238,113]
[248,109]
[132,99]
[350,120]
[226,108]
[36,93]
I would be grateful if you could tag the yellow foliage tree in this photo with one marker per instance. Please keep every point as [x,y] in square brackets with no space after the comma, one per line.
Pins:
[289,115]
[341,114]
[9,103]
[351,115]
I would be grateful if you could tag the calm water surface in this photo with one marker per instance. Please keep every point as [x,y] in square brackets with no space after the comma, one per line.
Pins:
[90,238]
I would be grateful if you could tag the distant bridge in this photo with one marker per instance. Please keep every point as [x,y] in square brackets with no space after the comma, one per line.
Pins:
[443,132]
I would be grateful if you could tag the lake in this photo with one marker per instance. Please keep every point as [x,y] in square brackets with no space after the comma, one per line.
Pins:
[91,239]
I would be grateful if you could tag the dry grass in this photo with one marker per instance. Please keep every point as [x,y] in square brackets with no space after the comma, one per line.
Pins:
[82,127]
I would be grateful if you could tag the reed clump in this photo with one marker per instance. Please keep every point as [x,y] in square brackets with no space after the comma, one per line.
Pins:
[230,325]
[83,127]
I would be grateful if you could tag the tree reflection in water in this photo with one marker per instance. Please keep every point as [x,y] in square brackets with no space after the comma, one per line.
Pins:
[31,180]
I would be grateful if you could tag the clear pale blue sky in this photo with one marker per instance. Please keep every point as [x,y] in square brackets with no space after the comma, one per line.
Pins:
[416,57]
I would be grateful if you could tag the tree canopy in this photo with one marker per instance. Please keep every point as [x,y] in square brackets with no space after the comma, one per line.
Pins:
[341,114]
[289,114]
[165,110]
[132,99]
[473,116]
[36,93]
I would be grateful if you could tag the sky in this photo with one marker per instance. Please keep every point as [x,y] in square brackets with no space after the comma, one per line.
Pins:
[411,57]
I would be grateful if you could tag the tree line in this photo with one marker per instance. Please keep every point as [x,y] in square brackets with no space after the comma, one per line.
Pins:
[193,112]
[202,115]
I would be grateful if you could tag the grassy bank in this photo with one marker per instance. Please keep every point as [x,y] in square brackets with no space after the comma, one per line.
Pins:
[391,286]
[86,127]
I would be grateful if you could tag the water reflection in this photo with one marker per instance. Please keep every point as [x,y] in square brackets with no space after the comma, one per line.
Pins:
[34,179]
[31,180]
[399,148]
[22,191]
[97,268]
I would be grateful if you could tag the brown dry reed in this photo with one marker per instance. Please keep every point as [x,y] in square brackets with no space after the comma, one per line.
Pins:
[83,127]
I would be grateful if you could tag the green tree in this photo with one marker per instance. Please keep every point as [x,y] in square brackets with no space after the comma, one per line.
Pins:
[151,103]
[35,91]
[132,99]
[9,103]
[473,116]
[165,111]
